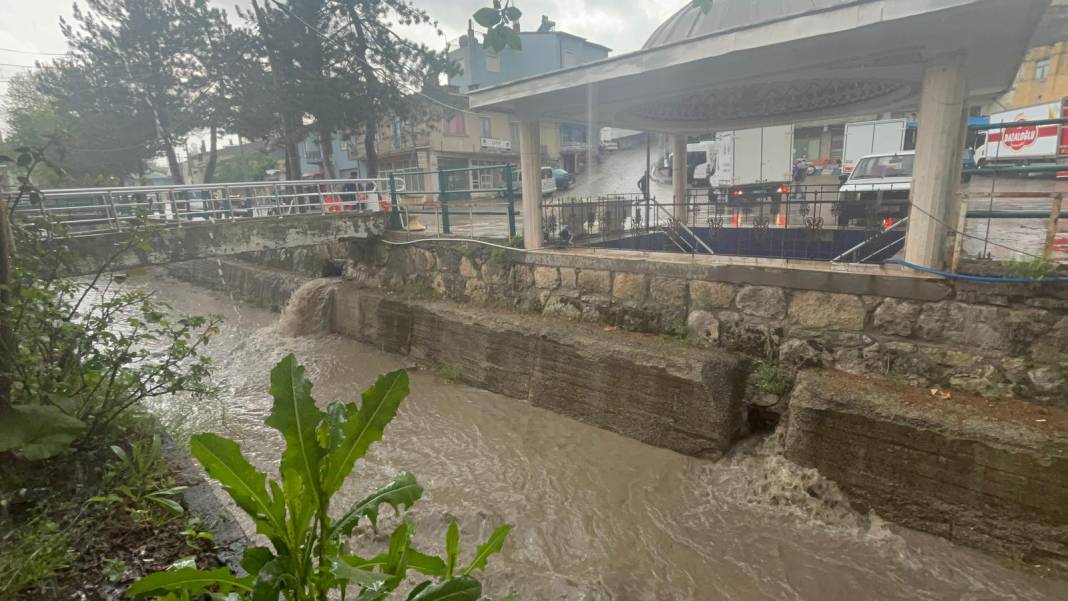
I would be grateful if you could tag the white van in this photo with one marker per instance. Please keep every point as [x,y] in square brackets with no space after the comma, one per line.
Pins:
[548,181]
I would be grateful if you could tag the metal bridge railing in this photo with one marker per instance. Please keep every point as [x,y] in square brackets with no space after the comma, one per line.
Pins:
[93,211]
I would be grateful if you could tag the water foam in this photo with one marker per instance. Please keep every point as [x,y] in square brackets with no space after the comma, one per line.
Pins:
[308,309]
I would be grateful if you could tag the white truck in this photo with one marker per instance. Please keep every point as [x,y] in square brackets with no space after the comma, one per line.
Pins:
[748,160]
[865,138]
[1023,144]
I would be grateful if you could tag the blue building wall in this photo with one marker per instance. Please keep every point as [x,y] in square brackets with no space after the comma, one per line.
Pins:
[541,53]
[309,150]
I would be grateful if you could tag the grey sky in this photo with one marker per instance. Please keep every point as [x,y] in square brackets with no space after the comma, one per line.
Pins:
[33,25]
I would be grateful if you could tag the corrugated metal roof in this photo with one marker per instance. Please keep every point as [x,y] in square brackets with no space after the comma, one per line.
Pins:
[727,15]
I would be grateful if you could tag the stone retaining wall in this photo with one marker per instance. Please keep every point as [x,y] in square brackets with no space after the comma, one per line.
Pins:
[999,341]
[982,474]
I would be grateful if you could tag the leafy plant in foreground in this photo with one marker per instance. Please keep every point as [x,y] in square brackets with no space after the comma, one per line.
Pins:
[309,557]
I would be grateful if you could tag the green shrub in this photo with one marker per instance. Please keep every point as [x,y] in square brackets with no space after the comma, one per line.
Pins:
[309,558]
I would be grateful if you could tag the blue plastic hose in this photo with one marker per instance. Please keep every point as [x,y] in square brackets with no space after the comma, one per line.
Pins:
[988,279]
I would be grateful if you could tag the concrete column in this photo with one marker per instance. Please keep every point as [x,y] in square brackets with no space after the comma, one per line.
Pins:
[678,176]
[530,166]
[939,149]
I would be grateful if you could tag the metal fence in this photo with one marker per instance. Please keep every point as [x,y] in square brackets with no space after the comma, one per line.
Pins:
[478,201]
[90,211]
[805,222]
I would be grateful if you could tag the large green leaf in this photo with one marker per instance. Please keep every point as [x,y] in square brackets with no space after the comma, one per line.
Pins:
[492,545]
[38,432]
[379,407]
[254,558]
[418,561]
[487,17]
[223,461]
[296,417]
[401,492]
[463,588]
[452,548]
[190,580]
[343,570]
[269,580]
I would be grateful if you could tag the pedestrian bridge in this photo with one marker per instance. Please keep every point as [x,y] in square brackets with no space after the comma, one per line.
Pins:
[129,227]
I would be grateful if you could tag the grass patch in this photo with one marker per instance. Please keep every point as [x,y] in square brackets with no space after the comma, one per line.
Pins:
[451,374]
[85,524]
[770,378]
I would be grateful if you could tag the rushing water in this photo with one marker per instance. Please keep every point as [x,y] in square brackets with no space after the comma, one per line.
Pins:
[596,515]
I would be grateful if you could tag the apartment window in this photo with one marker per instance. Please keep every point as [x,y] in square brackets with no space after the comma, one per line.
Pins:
[493,62]
[455,125]
[570,59]
[1042,70]
[514,131]
[487,127]
[396,134]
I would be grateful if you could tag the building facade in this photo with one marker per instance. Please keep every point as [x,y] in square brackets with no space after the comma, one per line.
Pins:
[541,53]
[460,138]
[1043,74]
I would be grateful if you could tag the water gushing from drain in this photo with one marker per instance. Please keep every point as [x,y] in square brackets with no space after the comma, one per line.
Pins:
[308,309]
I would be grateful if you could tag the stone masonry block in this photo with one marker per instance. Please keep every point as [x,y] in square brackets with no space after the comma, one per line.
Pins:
[711,295]
[546,278]
[668,291]
[630,287]
[595,281]
[825,310]
[762,301]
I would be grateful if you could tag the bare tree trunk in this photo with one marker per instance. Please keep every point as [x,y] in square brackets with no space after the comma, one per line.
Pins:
[7,337]
[326,146]
[370,148]
[213,156]
[172,161]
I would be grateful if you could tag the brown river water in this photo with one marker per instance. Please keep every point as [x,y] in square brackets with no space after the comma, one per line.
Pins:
[596,515]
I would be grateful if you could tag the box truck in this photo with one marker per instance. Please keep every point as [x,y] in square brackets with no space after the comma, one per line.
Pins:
[749,161]
[865,138]
[1023,144]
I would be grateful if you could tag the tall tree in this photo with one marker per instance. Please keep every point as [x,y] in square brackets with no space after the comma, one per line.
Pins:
[145,50]
[92,132]
[391,71]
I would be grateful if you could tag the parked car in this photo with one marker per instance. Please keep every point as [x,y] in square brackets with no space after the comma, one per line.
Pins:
[879,186]
[564,180]
[548,181]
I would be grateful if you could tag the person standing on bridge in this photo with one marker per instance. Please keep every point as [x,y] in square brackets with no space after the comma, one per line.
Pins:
[643,184]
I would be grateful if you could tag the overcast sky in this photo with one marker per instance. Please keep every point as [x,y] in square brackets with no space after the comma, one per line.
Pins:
[33,25]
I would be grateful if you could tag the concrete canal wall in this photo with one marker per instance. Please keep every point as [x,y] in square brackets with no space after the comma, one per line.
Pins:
[990,475]
[943,410]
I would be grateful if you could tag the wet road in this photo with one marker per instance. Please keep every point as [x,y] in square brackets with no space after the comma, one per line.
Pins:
[596,515]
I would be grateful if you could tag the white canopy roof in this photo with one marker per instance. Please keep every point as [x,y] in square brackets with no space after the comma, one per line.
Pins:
[765,62]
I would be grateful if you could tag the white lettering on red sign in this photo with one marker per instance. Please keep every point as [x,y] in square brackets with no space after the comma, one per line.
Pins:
[1020,136]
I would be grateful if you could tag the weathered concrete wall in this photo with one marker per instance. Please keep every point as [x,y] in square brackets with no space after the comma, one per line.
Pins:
[672,396]
[223,237]
[999,341]
[265,287]
[987,475]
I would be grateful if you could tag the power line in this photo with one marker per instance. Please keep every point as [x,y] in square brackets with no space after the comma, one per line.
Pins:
[33,53]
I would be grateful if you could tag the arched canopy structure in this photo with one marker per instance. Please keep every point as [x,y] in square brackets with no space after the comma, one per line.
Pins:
[765,62]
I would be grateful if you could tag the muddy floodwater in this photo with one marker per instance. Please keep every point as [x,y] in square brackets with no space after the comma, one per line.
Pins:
[596,515]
